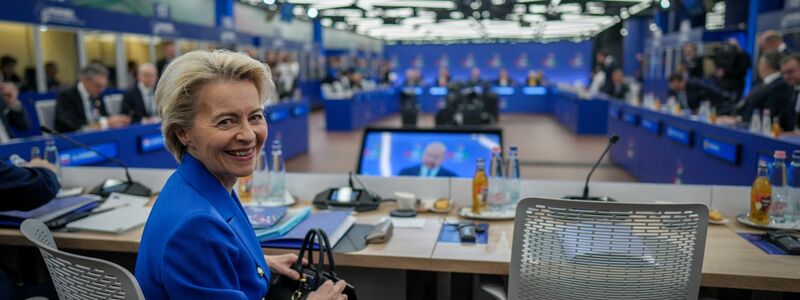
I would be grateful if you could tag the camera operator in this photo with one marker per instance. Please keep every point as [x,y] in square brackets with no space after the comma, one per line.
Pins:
[730,67]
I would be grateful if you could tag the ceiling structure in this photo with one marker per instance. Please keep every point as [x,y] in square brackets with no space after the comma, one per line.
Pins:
[459,20]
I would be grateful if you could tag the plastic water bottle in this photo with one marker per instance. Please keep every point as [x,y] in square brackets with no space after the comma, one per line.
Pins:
[277,175]
[497,187]
[512,181]
[755,122]
[260,184]
[777,179]
[51,156]
[793,201]
[766,124]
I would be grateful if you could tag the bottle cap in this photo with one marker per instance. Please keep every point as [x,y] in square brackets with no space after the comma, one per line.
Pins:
[512,148]
[779,154]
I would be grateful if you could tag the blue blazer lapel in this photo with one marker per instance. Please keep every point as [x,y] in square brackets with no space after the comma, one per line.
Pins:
[227,204]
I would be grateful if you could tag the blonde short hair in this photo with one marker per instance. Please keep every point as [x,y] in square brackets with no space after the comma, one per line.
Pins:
[179,88]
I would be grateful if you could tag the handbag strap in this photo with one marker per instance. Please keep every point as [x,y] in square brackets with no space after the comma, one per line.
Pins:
[327,250]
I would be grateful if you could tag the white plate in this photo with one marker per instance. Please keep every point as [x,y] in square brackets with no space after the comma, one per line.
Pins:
[427,205]
[746,221]
[466,212]
[722,222]
[288,200]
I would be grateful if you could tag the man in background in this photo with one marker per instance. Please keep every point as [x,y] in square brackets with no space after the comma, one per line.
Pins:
[139,103]
[771,93]
[771,40]
[82,106]
[691,92]
[431,165]
[619,89]
[790,68]
[8,64]
[169,55]
[12,114]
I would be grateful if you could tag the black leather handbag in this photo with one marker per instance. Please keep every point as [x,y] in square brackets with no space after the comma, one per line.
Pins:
[312,275]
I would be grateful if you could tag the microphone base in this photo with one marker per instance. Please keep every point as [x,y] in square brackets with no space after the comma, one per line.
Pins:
[591,198]
[115,186]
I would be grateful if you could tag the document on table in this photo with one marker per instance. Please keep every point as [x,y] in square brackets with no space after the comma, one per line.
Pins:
[408,222]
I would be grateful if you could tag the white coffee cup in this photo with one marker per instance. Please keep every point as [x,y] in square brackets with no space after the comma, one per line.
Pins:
[406,201]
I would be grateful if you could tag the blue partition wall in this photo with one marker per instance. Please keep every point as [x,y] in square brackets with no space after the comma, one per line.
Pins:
[361,110]
[662,148]
[565,62]
[142,146]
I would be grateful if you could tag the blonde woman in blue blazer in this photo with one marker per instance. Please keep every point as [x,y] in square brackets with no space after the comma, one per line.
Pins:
[198,242]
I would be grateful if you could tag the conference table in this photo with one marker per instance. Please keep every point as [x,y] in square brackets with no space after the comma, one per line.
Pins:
[730,261]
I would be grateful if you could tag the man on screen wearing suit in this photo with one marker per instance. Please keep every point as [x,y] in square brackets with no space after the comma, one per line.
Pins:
[431,165]
[82,105]
[139,103]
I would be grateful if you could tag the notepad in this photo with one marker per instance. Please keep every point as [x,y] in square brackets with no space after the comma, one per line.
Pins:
[290,219]
[115,221]
[48,212]
[334,223]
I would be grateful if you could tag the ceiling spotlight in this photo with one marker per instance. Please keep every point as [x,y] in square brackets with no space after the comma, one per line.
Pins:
[475,5]
[269,2]
[486,14]
[476,14]
[456,15]
[313,12]
[665,4]
[326,22]
[653,27]
[623,32]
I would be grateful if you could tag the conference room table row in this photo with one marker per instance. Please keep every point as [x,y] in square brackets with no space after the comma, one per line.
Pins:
[656,146]
[142,145]
[730,260]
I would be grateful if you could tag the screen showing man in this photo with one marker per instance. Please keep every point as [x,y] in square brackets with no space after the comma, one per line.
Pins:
[431,166]
[425,152]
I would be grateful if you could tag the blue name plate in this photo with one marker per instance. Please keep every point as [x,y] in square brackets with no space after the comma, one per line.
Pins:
[151,142]
[651,126]
[438,91]
[84,157]
[300,111]
[728,152]
[614,113]
[278,115]
[414,90]
[503,90]
[680,136]
[534,90]
[630,118]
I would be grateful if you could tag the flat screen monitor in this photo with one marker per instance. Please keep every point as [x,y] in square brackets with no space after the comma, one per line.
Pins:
[426,152]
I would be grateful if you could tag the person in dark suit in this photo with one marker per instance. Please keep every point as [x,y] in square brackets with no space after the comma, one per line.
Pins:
[26,188]
[169,54]
[474,79]
[731,64]
[691,92]
[12,114]
[82,105]
[503,79]
[692,63]
[790,68]
[431,165]
[606,64]
[212,106]
[771,40]
[51,76]
[7,73]
[619,89]
[771,93]
[139,103]
[443,79]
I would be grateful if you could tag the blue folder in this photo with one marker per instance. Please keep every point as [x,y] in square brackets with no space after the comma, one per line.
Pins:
[329,221]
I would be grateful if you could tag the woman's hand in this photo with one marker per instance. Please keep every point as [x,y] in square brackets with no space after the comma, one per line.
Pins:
[282,264]
[329,291]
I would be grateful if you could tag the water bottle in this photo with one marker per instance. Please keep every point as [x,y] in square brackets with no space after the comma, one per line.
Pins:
[51,156]
[777,179]
[766,123]
[260,185]
[512,182]
[277,175]
[755,122]
[497,189]
[792,210]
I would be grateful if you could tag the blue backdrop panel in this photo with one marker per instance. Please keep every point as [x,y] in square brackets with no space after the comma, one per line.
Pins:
[663,148]
[360,111]
[565,62]
[579,115]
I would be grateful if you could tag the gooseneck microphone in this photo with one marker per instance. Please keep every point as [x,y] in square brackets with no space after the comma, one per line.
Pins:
[611,141]
[106,188]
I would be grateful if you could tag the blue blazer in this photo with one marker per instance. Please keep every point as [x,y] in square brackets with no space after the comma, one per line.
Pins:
[198,242]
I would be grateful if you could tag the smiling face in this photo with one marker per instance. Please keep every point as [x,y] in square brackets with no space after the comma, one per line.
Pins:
[229,130]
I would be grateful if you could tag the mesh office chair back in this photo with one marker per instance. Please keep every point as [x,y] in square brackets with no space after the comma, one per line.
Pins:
[80,277]
[598,250]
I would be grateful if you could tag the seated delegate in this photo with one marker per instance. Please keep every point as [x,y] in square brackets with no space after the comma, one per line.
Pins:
[197,242]
[26,188]
[82,105]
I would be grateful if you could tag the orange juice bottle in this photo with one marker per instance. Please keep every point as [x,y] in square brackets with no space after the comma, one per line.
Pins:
[776,127]
[479,186]
[245,189]
[760,196]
